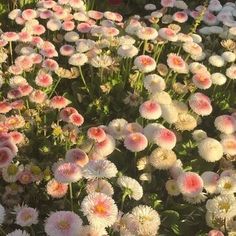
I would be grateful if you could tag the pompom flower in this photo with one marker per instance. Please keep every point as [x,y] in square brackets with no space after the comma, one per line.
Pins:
[135,142]
[145,63]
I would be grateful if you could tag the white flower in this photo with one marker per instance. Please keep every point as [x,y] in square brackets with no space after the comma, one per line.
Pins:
[218,78]
[99,169]
[102,61]
[18,232]
[231,72]
[154,83]
[116,128]
[131,187]
[227,185]
[216,61]
[78,59]
[26,216]
[127,51]
[210,149]
[228,56]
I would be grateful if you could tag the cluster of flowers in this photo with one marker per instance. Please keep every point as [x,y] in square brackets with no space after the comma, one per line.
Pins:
[174,84]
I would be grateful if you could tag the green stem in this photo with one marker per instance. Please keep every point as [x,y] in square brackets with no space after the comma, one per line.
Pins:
[3,233]
[144,47]
[54,88]
[71,197]
[32,231]
[125,194]
[11,52]
[82,77]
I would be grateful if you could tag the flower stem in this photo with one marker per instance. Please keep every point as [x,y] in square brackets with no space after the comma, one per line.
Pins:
[125,194]
[71,197]
[11,52]
[54,88]
[32,231]
[82,76]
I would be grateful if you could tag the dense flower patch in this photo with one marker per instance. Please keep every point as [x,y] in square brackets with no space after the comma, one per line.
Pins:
[112,126]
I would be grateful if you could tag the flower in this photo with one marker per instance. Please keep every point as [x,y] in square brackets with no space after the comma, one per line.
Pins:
[150,110]
[99,186]
[99,169]
[228,56]
[168,34]
[216,61]
[100,210]
[10,173]
[164,138]
[200,104]
[210,181]
[231,72]
[105,147]
[154,83]
[144,221]
[77,156]
[218,78]
[59,102]
[225,124]
[227,185]
[172,187]
[162,159]
[229,145]
[67,172]
[101,61]
[78,59]
[192,48]
[177,64]
[147,33]
[116,128]
[202,80]
[210,149]
[6,156]
[56,189]
[135,142]
[190,184]
[26,216]
[168,3]
[145,63]
[185,121]
[97,134]
[131,187]
[180,16]
[43,80]
[127,51]
[62,223]
[215,232]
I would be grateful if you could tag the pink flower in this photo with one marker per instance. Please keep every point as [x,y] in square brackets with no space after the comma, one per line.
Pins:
[150,110]
[77,156]
[66,112]
[168,3]
[18,104]
[5,107]
[190,184]
[97,134]
[25,177]
[29,14]
[96,15]
[6,156]
[63,223]
[168,34]
[84,27]
[177,64]
[10,36]
[38,96]
[200,104]
[225,124]
[26,216]
[56,189]
[76,119]
[59,102]
[24,62]
[145,63]
[180,16]
[38,29]
[25,89]
[50,64]
[202,80]
[67,50]
[105,147]
[164,138]
[25,37]
[17,137]
[68,25]
[215,232]
[67,172]
[135,142]
[44,80]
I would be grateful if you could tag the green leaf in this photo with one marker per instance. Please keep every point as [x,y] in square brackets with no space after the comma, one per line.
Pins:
[172,217]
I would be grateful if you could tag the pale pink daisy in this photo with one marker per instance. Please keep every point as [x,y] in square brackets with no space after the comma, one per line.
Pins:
[177,64]
[96,133]
[63,223]
[133,128]
[225,124]
[56,189]
[59,102]
[164,138]
[192,48]
[135,142]
[113,16]
[76,119]
[66,112]
[150,110]
[38,29]
[78,59]
[202,80]
[17,137]
[190,184]
[105,147]
[200,104]
[147,33]
[43,80]
[67,50]
[180,16]
[231,72]
[50,64]
[54,24]
[67,173]
[5,107]
[6,156]
[25,89]
[99,186]
[168,34]
[25,37]
[84,27]
[77,156]
[24,62]
[229,145]
[10,36]
[145,63]
[100,209]
[210,180]
[68,25]
[96,15]
[29,14]
[26,216]
[38,96]
[215,232]
[168,3]
[99,169]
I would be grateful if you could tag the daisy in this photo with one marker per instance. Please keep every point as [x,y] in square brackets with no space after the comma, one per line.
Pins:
[150,110]
[133,128]
[76,119]
[43,80]
[168,34]
[210,181]
[172,187]
[154,83]
[66,112]
[180,16]
[77,156]
[105,147]
[145,63]
[177,64]
[200,104]
[228,56]
[144,221]
[210,149]
[168,3]
[229,145]
[71,36]
[135,142]
[164,138]
[226,185]
[190,184]
[162,159]
[38,96]
[99,186]
[231,72]
[56,189]
[78,59]
[89,230]
[67,50]
[54,24]
[127,51]
[192,48]
[6,156]
[202,80]
[225,124]
[185,121]
[215,233]
[18,232]
[216,61]
[101,61]
[59,102]
[97,134]
[131,187]
[26,216]
[116,128]
[67,173]
[10,173]
[99,169]
[218,78]
[100,210]
[5,107]
[63,223]
[147,33]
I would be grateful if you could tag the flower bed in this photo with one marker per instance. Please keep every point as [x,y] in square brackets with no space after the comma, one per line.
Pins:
[118,126]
